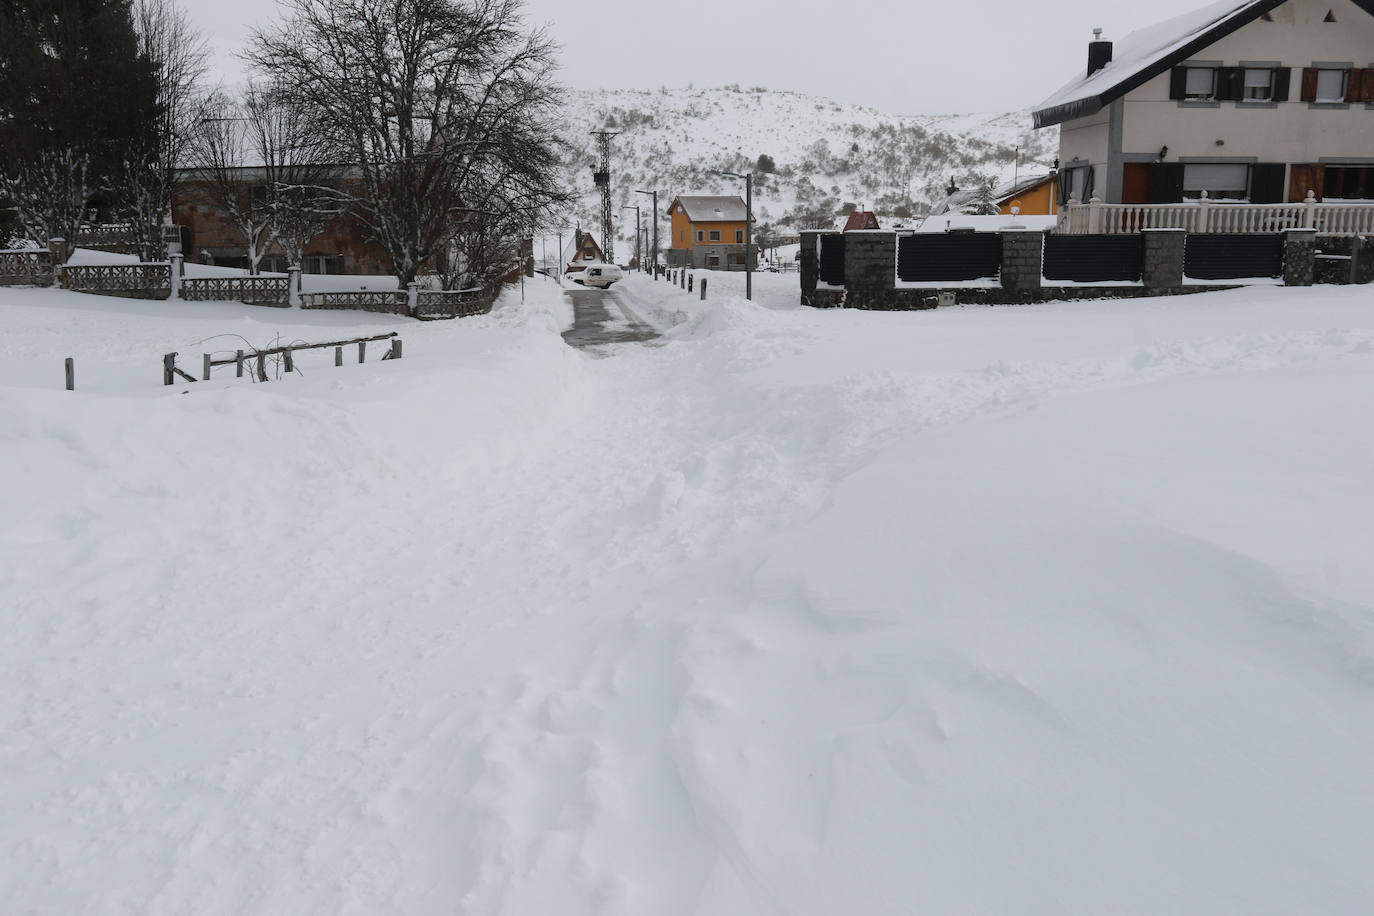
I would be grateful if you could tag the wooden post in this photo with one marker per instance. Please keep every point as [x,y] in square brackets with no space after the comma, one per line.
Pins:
[238,363]
[262,367]
[690,279]
[338,356]
[71,374]
[290,364]
[703,289]
[396,348]
[362,350]
[206,374]
[169,360]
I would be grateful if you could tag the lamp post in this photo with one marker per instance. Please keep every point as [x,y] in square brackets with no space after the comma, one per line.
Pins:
[654,252]
[748,231]
[638,257]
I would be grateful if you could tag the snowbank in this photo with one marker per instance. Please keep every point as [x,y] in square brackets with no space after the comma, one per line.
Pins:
[1062,608]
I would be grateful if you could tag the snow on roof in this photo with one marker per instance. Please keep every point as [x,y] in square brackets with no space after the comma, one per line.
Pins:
[944,222]
[1140,51]
[714,209]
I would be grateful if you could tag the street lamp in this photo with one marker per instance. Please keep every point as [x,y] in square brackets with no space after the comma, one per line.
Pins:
[748,230]
[655,211]
[639,258]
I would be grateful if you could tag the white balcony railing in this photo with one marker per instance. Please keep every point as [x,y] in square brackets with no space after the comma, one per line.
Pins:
[1204,215]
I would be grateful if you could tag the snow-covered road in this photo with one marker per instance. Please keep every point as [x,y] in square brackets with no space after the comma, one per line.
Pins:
[1051,609]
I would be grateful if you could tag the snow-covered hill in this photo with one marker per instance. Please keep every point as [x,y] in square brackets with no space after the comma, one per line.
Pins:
[824,153]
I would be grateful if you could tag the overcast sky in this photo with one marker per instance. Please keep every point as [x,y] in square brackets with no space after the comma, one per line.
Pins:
[898,57]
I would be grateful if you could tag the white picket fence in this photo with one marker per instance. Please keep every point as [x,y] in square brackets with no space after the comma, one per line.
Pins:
[1098,218]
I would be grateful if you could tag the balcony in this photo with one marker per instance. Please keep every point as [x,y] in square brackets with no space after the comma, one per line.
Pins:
[1204,215]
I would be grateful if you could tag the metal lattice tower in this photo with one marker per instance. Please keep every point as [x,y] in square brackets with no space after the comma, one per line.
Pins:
[603,182]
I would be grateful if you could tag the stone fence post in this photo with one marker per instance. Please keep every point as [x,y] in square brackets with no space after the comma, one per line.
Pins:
[1163,267]
[413,298]
[808,262]
[870,268]
[293,286]
[178,271]
[1023,260]
[1300,257]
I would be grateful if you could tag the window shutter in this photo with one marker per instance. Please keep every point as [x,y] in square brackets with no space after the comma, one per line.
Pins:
[1305,178]
[1282,77]
[1309,84]
[1178,80]
[1230,84]
[1358,87]
[1166,182]
[1266,182]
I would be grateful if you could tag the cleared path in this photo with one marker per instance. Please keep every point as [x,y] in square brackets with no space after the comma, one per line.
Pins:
[601,317]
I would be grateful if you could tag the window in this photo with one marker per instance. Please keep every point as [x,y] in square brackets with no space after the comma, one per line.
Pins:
[1258,85]
[323,264]
[1201,84]
[682,235]
[739,236]
[715,235]
[1076,181]
[273,264]
[701,235]
[1330,86]
[738,260]
[1348,182]
[1221,180]
[713,261]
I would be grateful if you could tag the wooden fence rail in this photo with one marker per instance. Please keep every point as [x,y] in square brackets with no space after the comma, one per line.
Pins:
[258,358]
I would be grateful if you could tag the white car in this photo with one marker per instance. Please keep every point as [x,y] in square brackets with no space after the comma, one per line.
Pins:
[597,274]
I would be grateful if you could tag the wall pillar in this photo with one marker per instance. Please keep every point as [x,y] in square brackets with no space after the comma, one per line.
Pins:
[1299,257]
[808,262]
[1164,258]
[870,268]
[178,271]
[1023,260]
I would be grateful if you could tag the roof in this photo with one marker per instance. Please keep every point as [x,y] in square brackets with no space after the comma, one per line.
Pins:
[861,219]
[1144,54]
[712,209]
[573,250]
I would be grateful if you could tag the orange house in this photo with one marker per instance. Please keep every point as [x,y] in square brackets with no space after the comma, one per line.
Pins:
[708,232]
[1036,196]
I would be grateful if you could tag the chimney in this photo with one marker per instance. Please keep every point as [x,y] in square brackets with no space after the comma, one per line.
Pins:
[1099,52]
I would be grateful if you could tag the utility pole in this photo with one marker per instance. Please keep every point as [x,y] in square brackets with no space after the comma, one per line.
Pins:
[603,181]
[748,230]
[655,225]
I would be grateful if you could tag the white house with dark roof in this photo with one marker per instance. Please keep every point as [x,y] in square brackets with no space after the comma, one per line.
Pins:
[1247,100]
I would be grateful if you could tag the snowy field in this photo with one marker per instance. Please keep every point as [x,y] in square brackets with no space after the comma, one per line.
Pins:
[1050,609]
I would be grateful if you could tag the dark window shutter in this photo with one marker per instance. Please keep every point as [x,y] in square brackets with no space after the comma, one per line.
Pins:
[1230,83]
[1356,86]
[1282,77]
[1266,182]
[1178,82]
[1309,84]
[1166,182]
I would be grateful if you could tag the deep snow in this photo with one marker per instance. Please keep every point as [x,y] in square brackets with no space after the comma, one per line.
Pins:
[1050,609]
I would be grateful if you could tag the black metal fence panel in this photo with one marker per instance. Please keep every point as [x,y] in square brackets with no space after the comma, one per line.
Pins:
[832,259]
[1094,258]
[934,257]
[1218,256]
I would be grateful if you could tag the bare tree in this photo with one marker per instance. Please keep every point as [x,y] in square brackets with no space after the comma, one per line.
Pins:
[48,195]
[445,107]
[179,55]
[260,162]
